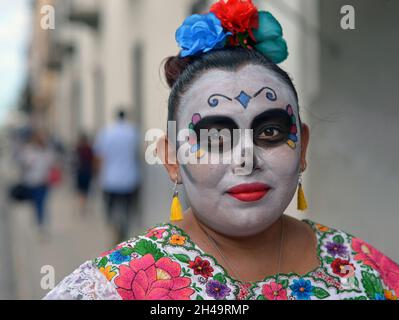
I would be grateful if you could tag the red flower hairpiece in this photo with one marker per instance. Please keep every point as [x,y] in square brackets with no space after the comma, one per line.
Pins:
[239,17]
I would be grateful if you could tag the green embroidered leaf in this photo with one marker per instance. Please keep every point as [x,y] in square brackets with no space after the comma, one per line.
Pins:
[185,272]
[182,257]
[338,239]
[371,284]
[196,288]
[356,298]
[260,297]
[126,251]
[199,297]
[144,247]
[284,283]
[329,259]
[356,282]
[103,262]
[220,277]
[320,293]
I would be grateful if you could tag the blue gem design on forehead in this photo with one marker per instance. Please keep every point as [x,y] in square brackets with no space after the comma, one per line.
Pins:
[244,99]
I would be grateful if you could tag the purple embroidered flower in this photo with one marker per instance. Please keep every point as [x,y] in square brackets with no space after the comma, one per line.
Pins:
[336,249]
[217,289]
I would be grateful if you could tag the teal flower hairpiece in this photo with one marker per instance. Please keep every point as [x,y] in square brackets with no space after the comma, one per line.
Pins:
[232,23]
[269,38]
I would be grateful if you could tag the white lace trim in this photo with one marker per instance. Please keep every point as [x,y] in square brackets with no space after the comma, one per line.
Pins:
[85,283]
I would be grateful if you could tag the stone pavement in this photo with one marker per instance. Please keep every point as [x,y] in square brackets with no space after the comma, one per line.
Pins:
[71,240]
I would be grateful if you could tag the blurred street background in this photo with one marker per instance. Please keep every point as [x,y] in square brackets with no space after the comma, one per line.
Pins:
[69,67]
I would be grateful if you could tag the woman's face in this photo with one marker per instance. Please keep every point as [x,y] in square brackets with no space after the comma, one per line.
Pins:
[247,195]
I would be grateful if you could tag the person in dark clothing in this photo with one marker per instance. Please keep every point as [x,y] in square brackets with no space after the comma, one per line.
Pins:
[84,169]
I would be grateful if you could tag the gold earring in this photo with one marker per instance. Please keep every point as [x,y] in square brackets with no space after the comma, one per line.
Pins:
[301,200]
[176,211]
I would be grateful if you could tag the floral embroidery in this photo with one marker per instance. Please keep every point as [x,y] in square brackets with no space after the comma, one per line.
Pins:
[147,279]
[322,228]
[244,291]
[157,233]
[302,289]
[107,272]
[201,267]
[370,256]
[339,267]
[164,263]
[217,289]
[177,239]
[117,257]
[274,291]
[389,295]
[336,249]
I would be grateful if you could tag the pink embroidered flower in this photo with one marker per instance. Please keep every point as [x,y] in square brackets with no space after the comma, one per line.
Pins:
[157,233]
[274,291]
[370,256]
[147,279]
[244,291]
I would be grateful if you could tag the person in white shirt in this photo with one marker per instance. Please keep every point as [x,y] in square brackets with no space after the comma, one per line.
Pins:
[37,159]
[117,149]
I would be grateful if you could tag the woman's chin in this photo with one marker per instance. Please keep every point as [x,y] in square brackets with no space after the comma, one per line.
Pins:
[241,223]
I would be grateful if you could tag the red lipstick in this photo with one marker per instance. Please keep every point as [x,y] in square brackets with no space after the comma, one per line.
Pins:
[249,192]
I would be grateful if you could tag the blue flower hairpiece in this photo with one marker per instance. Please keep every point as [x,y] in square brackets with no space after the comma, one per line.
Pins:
[201,33]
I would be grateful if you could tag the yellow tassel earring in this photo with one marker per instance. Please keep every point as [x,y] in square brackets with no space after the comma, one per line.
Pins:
[176,211]
[301,201]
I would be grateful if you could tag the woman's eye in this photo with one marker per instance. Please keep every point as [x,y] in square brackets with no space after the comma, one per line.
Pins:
[269,133]
[270,136]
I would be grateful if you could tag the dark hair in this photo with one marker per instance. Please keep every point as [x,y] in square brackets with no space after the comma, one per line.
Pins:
[181,72]
[121,114]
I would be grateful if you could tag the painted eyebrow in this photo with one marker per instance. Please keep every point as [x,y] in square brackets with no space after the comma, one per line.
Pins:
[269,115]
[212,120]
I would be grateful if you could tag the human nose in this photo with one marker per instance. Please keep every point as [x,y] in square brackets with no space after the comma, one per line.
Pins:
[244,161]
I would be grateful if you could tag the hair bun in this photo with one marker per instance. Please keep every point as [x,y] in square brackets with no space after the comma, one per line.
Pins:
[173,67]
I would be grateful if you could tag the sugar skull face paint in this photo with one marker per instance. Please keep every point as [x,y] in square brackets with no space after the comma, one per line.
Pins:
[242,205]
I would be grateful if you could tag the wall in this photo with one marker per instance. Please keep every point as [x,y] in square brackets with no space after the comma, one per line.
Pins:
[353,176]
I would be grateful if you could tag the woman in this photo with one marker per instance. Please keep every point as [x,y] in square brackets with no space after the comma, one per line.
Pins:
[37,160]
[84,169]
[235,241]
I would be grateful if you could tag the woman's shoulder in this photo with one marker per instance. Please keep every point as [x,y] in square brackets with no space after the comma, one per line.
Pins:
[343,253]
[148,266]
[92,280]
[84,283]
[151,240]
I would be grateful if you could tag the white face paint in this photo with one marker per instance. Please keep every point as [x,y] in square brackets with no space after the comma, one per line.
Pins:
[276,165]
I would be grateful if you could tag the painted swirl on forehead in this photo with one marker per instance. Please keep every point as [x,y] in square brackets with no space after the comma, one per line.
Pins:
[243,98]
[270,93]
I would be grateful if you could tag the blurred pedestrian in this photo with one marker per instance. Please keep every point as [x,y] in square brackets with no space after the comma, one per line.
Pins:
[84,166]
[37,162]
[117,150]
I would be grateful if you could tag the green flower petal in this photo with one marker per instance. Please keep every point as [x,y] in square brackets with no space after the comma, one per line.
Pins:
[276,49]
[269,27]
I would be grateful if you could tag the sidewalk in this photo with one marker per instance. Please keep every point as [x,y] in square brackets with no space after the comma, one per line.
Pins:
[72,240]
